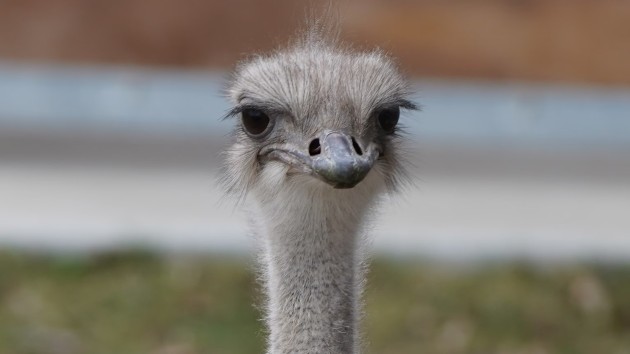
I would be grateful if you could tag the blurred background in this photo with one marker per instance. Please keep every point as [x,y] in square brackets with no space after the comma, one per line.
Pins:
[115,237]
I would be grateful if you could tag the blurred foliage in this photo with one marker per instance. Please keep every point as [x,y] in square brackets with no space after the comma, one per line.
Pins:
[137,302]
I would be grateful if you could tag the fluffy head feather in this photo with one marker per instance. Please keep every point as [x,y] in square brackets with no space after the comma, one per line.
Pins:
[316,84]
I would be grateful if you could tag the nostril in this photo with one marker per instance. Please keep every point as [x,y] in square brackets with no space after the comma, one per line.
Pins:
[314,148]
[356,147]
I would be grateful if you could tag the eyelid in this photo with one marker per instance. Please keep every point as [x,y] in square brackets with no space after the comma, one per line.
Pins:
[239,109]
[400,104]
[271,111]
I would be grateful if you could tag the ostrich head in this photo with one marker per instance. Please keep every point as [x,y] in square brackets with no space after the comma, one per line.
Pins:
[316,117]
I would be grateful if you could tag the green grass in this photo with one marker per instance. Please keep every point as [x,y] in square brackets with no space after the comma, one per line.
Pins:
[137,302]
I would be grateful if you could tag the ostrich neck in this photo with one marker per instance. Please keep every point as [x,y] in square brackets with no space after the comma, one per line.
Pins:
[313,280]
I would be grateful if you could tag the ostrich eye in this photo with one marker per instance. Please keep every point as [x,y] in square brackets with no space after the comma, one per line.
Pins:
[388,118]
[255,121]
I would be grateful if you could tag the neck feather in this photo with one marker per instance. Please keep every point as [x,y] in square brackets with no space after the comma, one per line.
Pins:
[313,275]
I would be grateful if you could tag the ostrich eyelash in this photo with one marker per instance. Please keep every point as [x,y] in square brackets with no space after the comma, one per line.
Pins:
[408,105]
[403,104]
[269,109]
[239,109]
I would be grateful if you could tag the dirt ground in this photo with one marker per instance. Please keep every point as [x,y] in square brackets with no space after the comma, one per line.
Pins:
[550,40]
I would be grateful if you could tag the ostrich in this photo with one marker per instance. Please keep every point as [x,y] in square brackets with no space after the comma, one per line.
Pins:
[316,142]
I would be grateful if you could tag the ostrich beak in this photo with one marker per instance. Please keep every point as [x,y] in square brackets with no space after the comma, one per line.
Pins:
[341,162]
[335,158]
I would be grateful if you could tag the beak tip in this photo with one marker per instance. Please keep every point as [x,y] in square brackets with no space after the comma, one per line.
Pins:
[341,173]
